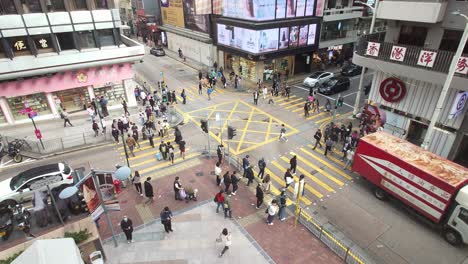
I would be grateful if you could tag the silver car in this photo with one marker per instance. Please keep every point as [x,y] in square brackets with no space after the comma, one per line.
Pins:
[317,78]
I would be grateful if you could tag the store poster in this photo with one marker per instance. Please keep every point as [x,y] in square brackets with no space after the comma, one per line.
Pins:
[311,36]
[268,40]
[234,8]
[300,8]
[222,35]
[294,37]
[90,195]
[309,9]
[319,8]
[173,12]
[290,8]
[249,9]
[203,7]
[284,38]
[264,9]
[303,36]
[249,39]
[280,9]
[192,20]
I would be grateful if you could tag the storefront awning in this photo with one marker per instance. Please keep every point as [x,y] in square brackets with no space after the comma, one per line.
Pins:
[199,36]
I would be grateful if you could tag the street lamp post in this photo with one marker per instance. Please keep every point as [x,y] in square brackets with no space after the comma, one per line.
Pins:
[448,81]
[125,148]
[122,174]
[364,69]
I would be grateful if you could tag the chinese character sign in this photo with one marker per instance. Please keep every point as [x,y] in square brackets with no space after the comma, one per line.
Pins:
[43,43]
[373,49]
[398,53]
[427,58]
[20,45]
[462,65]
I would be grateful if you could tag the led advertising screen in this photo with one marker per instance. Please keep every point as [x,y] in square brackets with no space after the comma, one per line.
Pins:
[267,40]
[300,8]
[309,9]
[290,8]
[280,9]
[250,9]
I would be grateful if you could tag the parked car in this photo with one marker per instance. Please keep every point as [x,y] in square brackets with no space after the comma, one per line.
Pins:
[96,257]
[17,189]
[334,85]
[351,70]
[158,51]
[317,78]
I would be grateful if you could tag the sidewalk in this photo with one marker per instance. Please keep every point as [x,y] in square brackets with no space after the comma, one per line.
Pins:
[196,225]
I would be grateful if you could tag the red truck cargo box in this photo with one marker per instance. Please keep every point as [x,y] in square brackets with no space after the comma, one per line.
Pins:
[418,177]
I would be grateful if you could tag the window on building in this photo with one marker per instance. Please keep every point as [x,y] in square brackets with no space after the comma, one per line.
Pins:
[86,39]
[106,37]
[7,7]
[101,4]
[65,41]
[79,5]
[331,4]
[20,46]
[43,43]
[451,39]
[410,35]
[31,6]
[2,51]
[344,3]
[55,5]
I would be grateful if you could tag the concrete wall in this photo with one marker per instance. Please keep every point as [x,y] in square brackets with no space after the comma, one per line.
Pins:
[192,49]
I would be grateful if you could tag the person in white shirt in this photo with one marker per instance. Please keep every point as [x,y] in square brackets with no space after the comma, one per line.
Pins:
[349,158]
[265,92]
[271,211]
[218,171]
[225,237]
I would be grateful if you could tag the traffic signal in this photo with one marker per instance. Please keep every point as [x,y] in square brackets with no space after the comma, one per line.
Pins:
[204,125]
[231,132]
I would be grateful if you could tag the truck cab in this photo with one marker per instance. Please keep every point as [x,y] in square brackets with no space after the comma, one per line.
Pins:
[456,231]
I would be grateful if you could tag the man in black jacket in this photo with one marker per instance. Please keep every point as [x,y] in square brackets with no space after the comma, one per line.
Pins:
[234,181]
[127,227]
[163,150]
[148,191]
[261,167]
[293,163]
[227,181]
[317,137]
[259,195]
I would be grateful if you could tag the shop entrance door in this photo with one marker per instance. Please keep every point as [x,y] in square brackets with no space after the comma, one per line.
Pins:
[301,63]
[416,132]
[73,99]
[462,154]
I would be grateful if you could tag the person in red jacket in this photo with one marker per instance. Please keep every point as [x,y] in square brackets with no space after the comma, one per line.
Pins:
[219,198]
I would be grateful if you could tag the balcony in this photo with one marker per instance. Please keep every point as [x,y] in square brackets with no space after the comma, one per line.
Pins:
[342,13]
[409,67]
[425,11]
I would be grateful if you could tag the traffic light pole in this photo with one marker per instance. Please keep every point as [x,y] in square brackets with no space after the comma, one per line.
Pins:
[228,149]
[208,134]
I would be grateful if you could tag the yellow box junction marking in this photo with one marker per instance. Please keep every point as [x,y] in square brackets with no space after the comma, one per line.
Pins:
[308,187]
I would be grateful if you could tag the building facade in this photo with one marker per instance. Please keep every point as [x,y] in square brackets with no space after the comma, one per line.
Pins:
[411,64]
[60,54]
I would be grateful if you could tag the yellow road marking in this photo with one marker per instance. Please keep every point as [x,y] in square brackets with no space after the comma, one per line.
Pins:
[306,173]
[164,163]
[229,117]
[282,98]
[146,142]
[219,90]
[315,116]
[281,183]
[308,187]
[268,128]
[340,172]
[209,108]
[192,93]
[291,101]
[331,117]
[322,151]
[136,149]
[245,129]
[324,173]
[246,142]
[294,105]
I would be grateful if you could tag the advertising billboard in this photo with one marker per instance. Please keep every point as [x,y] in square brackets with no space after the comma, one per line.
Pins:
[172,12]
[303,36]
[300,8]
[194,21]
[309,9]
[268,40]
[290,8]
[311,35]
[280,9]
[284,38]
[250,9]
[294,36]
[202,7]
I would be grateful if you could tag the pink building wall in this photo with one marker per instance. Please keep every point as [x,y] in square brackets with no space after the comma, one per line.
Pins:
[68,80]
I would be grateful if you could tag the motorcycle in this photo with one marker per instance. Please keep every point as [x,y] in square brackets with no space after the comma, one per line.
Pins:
[6,223]
[22,218]
[77,204]
[13,150]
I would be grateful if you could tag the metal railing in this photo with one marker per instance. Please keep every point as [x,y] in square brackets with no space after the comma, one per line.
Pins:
[441,63]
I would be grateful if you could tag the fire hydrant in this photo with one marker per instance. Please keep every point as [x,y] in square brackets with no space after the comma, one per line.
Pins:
[117,187]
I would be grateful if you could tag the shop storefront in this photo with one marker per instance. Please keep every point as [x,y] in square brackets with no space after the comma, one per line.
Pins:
[72,100]
[37,102]
[113,92]
[2,117]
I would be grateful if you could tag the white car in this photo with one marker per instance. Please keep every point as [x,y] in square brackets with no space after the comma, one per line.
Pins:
[96,257]
[317,78]
[21,188]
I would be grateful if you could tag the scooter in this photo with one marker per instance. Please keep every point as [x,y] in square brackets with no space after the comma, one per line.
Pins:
[6,223]
[22,218]
[13,150]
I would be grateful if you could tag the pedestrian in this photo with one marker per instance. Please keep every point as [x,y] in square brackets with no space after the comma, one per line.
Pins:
[282,135]
[223,81]
[209,91]
[306,109]
[217,172]
[328,107]
[91,112]
[64,115]
[288,178]
[177,135]
[137,182]
[127,227]
[150,134]
[265,92]
[266,183]
[282,205]
[346,147]
[184,96]
[271,211]
[151,102]
[250,175]
[317,137]
[95,128]
[219,152]
[219,199]
[143,97]
[148,191]
[136,92]
[200,88]
[200,75]
[261,167]
[349,158]
[125,107]
[182,148]
[259,195]
[328,145]
[115,134]
[255,97]
[103,104]
[225,238]
[245,164]
[104,126]
[159,129]
[293,164]
[166,217]
[170,150]
[177,189]
[234,182]
[227,205]
[135,134]
[130,141]
[173,97]
[227,181]
[163,149]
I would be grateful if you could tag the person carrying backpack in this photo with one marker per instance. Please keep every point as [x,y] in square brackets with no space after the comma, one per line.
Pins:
[219,200]
[261,167]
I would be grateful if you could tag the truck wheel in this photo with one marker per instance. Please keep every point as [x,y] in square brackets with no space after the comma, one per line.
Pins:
[380,194]
[452,236]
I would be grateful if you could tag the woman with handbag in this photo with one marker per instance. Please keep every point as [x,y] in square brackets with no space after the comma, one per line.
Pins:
[137,182]
[166,217]
[178,189]
[225,238]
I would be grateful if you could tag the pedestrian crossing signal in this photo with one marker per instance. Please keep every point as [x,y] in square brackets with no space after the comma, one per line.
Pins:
[231,132]
[339,102]
[204,125]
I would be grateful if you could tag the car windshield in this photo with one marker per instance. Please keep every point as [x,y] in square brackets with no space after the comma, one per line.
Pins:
[16,182]
[315,75]
[330,82]
[26,175]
